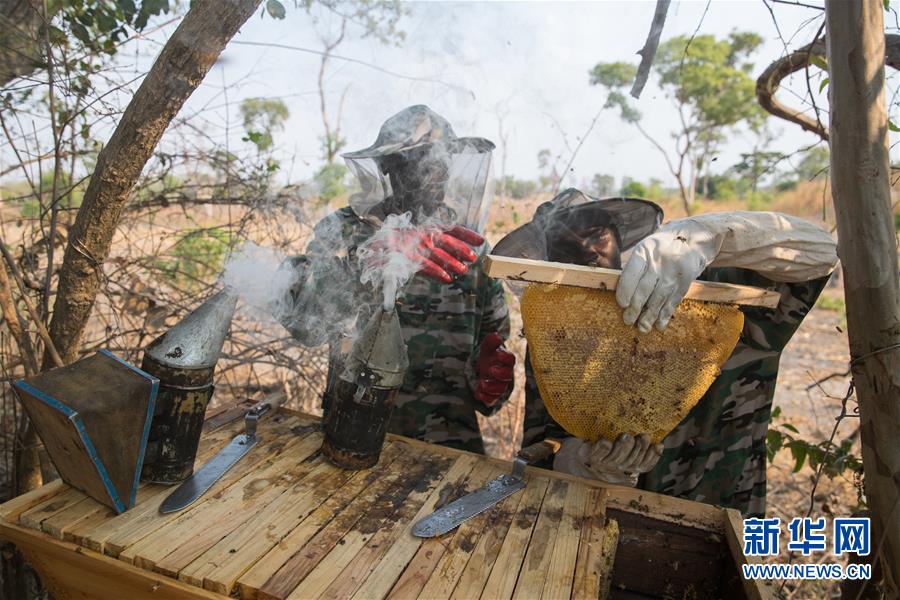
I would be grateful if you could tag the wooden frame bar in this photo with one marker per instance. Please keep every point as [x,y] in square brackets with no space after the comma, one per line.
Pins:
[539,271]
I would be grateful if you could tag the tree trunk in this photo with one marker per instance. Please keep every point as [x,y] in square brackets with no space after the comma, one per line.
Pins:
[867,247]
[178,71]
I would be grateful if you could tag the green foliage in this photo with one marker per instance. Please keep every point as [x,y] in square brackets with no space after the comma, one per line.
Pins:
[68,197]
[759,200]
[100,24]
[896,221]
[712,77]
[835,459]
[655,190]
[519,189]
[831,303]
[814,163]
[262,117]
[603,185]
[332,181]
[613,75]
[632,188]
[197,256]
[724,187]
[754,165]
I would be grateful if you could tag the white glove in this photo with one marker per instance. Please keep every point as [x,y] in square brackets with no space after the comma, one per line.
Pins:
[616,462]
[661,268]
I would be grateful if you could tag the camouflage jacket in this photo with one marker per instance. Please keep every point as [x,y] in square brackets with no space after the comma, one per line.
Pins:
[717,454]
[443,326]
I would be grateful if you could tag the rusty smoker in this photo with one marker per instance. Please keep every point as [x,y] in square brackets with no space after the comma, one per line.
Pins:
[360,404]
[184,359]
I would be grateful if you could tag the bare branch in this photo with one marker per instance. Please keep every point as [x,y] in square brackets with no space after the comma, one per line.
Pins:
[648,52]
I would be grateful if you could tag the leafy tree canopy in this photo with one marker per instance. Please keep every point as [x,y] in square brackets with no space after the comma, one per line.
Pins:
[712,77]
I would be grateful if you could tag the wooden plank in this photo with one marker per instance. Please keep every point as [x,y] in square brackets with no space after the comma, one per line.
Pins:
[227,414]
[69,516]
[461,548]
[424,470]
[357,570]
[478,568]
[219,568]
[70,571]
[754,589]
[560,574]
[222,512]
[502,580]
[67,519]
[677,511]
[265,568]
[391,565]
[539,271]
[77,533]
[608,552]
[118,533]
[34,516]
[543,539]
[412,582]
[387,476]
[11,509]
[592,566]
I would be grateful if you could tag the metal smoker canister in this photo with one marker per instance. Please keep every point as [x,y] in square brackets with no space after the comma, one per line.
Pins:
[362,400]
[184,359]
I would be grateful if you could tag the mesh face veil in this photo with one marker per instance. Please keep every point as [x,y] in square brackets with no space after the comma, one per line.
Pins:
[418,165]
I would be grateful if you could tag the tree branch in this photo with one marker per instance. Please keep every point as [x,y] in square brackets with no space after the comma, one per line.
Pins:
[177,72]
[648,52]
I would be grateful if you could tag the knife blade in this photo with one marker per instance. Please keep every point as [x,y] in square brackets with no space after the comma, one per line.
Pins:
[203,478]
[454,514]
[206,476]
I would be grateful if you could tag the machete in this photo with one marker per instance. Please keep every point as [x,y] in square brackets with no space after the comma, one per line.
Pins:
[203,478]
[452,515]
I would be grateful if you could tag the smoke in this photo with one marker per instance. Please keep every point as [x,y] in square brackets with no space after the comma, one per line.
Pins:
[391,256]
[260,277]
[325,294]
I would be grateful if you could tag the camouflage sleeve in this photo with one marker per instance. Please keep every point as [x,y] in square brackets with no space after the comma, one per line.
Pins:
[494,319]
[717,454]
[539,425]
[765,329]
[327,295]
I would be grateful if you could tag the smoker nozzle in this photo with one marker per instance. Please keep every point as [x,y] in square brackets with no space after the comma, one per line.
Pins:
[378,357]
[196,341]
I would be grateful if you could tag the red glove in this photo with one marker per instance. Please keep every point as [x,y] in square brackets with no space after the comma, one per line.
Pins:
[495,369]
[438,252]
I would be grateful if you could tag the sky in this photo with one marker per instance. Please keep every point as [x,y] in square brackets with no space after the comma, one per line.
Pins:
[527,61]
[474,61]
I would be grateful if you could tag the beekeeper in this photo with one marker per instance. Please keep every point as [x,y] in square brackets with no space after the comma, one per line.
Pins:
[717,454]
[454,318]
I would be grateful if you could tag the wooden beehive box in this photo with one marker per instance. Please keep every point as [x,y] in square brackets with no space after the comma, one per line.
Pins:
[285,524]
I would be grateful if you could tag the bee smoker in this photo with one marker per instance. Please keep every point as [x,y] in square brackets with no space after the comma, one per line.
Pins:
[362,400]
[183,359]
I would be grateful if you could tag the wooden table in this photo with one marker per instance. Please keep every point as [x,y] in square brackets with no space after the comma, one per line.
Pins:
[284,523]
